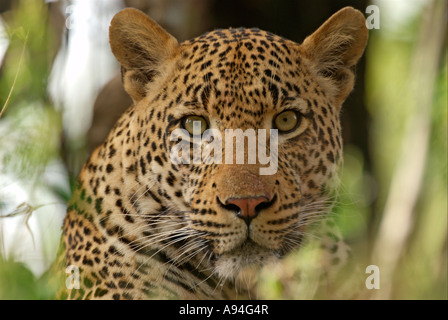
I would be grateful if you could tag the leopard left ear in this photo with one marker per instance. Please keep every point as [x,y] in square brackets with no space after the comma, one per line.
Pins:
[142,47]
[335,48]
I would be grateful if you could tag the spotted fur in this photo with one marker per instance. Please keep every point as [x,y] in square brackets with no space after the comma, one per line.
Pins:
[140,226]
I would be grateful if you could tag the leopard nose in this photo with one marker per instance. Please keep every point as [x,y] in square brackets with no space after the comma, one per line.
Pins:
[248,208]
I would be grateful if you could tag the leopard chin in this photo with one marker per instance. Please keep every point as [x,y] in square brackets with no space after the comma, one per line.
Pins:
[249,254]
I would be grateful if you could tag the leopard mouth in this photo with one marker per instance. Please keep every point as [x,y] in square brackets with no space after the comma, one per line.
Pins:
[249,254]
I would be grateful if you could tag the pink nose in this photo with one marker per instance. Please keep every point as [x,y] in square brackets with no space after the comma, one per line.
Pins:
[248,208]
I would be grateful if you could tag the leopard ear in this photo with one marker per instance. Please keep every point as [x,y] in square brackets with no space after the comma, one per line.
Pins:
[335,48]
[141,46]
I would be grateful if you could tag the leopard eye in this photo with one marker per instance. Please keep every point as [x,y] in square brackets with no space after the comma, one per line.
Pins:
[189,124]
[286,121]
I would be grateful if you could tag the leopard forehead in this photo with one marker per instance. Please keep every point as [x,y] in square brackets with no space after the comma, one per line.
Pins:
[256,41]
[237,73]
[235,49]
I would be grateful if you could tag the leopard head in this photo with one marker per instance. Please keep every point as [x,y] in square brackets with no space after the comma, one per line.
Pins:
[201,197]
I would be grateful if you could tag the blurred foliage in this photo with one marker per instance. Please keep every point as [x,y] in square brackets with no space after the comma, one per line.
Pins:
[29,19]
[17,282]
[394,56]
[30,126]
[31,142]
[31,130]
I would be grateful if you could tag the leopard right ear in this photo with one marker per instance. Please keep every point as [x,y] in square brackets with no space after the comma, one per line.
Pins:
[141,46]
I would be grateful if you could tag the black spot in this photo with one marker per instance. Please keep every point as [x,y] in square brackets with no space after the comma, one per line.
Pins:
[159,161]
[125,285]
[311,184]
[112,250]
[273,89]
[100,292]
[87,262]
[142,166]
[206,65]
[98,205]
[330,156]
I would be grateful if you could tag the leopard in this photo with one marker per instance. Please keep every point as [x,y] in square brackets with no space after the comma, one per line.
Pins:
[144,224]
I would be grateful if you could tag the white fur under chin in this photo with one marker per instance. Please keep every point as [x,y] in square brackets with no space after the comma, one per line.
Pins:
[229,265]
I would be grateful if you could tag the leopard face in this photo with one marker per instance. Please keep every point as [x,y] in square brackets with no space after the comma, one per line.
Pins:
[184,226]
[246,79]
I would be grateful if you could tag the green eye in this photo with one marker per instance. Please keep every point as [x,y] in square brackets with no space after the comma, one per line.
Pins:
[286,121]
[190,122]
